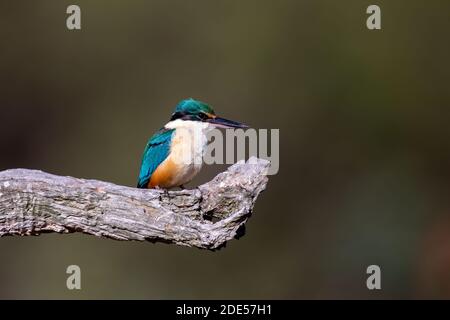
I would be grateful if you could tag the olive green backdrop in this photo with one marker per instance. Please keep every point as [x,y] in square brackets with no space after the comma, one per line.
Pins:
[364,151]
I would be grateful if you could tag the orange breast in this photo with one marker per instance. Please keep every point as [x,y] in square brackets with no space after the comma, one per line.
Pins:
[164,175]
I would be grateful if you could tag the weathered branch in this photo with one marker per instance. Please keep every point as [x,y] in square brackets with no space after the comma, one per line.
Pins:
[33,202]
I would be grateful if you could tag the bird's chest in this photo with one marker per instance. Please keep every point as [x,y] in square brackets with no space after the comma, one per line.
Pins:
[186,151]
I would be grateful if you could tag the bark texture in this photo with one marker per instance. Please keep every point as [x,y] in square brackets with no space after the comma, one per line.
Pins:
[34,202]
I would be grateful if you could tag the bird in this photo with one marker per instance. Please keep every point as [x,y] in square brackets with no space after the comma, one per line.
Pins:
[173,155]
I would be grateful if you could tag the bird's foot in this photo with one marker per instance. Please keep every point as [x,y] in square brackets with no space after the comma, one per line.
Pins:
[165,193]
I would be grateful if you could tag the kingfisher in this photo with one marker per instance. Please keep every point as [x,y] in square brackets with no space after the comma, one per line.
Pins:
[173,155]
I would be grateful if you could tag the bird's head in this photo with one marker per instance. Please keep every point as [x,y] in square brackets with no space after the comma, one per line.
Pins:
[193,110]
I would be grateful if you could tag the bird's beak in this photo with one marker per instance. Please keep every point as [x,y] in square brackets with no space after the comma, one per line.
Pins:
[225,123]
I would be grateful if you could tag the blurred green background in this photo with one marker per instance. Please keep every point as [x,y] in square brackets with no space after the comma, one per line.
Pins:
[364,153]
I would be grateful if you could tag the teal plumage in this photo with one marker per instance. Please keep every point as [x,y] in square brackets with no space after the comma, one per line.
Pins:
[156,151]
[191,106]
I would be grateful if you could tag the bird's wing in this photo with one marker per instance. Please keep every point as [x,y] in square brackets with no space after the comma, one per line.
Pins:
[156,151]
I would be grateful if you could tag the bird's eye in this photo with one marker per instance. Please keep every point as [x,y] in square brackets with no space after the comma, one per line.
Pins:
[203,116]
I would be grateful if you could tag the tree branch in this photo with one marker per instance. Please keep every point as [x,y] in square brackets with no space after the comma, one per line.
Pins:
[34,202]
